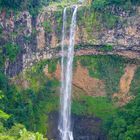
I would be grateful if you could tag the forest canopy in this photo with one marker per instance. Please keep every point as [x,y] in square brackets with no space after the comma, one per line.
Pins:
[35,4]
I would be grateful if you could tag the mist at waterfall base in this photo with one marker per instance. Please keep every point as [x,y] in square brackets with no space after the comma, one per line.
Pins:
[66,77]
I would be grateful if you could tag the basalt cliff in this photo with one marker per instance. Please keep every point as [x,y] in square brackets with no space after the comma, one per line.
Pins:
[116,32]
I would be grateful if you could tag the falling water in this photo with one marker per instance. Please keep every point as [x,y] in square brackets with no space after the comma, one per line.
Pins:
[66,78]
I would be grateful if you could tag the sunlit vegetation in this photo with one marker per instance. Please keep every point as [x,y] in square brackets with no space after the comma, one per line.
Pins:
[19,132]
[93,106]
[125,125]
[101,4]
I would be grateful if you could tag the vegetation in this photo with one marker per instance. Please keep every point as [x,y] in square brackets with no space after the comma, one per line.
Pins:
[47,26]
[39,100]
[93,106]
[32,106]
[33,6]
[11,51]
[101,4]
[106,47]
[107,68]
[19,106]
[119,123]
[26,106]
[125,125]
[24,111]
[19,132]
[135,88]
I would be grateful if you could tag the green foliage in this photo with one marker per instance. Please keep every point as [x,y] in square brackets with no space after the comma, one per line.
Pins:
[52,65]
[3,83]
[136,2]
[135,88]
[31,106]
[109,20]
[33,6]
[97,106]
[11,50]
[117,2]
[125,125]
[1,29]
[3,115]
[106,48]
[102,4]
[99,4]
[23,107]
[35,74]
[19,132]
[89,19]
[13,4]
[2,59]
[107,68]
[47,26]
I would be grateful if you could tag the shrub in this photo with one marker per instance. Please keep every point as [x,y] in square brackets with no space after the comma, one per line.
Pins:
[107,48]
[11,50]
[47,26]
[109,20]
[125,124]
[99,4]
[94,106]
[1,29]
[12,4]
[19,132]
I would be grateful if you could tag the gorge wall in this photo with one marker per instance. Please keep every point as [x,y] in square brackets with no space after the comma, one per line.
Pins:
[115,32]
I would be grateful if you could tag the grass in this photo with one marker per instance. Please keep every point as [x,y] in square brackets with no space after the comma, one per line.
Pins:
[94,106]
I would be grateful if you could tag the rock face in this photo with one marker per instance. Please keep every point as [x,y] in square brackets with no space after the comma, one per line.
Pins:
[82,80]
[84,84]
[87,128]
[39,37]
[84,128]
[125,82]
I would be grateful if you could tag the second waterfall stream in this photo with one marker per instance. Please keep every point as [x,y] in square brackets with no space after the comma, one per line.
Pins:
[66,76]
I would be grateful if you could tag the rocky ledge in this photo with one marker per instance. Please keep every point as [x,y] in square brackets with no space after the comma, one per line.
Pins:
[28,60]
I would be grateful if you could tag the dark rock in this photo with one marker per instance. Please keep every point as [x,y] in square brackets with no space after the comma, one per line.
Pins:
[84,128]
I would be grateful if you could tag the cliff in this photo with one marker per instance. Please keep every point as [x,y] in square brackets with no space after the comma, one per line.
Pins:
[113,32]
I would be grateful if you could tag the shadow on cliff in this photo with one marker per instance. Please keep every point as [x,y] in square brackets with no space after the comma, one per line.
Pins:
[84,128]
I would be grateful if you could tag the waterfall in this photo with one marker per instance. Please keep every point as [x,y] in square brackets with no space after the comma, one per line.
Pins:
[66,78]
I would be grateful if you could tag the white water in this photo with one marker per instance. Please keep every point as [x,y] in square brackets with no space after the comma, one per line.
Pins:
[66,78]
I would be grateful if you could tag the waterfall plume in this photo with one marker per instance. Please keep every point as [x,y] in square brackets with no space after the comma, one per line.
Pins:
[66,77]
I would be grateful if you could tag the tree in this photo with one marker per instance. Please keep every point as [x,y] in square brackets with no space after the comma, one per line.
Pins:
[11,50]
[125,125]
[12,4]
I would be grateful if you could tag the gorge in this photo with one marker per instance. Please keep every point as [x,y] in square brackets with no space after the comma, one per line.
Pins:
[70,72]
